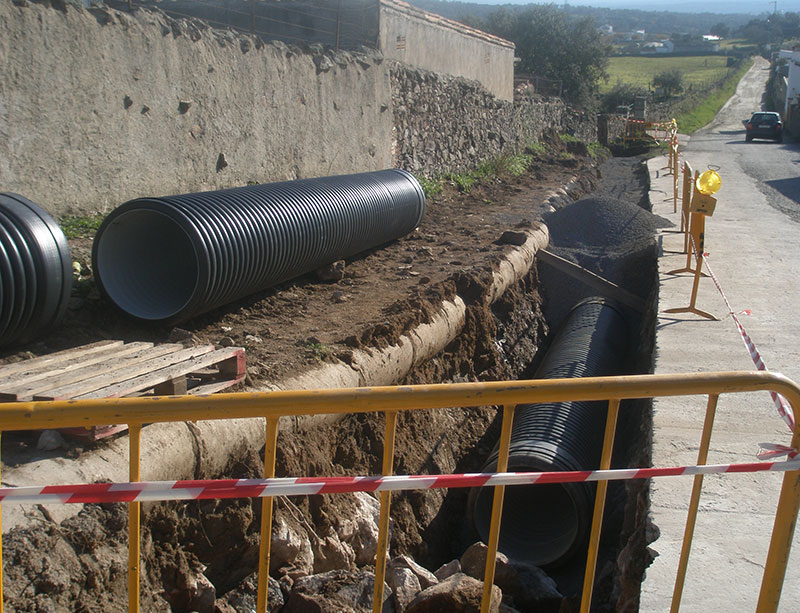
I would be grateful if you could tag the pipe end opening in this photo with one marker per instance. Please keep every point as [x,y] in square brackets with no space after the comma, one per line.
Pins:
[147,264]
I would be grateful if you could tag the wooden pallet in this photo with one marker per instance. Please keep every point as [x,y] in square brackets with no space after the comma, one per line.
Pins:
[112,369]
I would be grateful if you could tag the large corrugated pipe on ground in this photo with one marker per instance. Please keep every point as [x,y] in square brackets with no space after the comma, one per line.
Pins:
[35,270]
[174,257]
[546,524]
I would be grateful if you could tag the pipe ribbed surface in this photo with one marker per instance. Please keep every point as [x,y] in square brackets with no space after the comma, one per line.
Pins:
[35,270]
[546,524]
[178,256]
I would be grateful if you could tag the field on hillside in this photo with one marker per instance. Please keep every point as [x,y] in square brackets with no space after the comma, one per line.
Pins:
[697,70]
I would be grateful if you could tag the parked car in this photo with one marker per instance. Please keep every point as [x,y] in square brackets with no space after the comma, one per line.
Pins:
[764,125]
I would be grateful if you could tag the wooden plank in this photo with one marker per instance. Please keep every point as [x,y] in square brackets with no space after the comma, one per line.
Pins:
[58,357]
[88,379]
[23,386]
[188,360]
[594,281]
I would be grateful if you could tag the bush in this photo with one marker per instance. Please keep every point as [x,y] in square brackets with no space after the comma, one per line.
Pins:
[622,94]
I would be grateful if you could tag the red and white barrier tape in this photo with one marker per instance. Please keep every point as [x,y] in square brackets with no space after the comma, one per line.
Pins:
[784,410]
[305,486]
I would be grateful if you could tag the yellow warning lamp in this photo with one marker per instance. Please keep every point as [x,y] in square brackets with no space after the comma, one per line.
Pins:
[708,183]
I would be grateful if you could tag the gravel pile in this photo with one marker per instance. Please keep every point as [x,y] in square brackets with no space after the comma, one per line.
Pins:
[602,222]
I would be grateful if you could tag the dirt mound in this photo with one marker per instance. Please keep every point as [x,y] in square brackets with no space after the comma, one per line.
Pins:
[602,222]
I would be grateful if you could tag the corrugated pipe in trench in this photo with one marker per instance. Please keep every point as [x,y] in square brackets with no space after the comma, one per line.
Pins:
[547,524]
[174,257]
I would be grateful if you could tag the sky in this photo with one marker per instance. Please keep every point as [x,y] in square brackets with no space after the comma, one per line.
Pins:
[756,7]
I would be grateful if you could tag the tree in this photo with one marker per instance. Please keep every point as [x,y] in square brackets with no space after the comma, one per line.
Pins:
[720,29]
[553,45]
[622,94]
[670,81]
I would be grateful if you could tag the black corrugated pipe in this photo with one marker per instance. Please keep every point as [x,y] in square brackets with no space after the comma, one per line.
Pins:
[546,524]
[174,257]
[35,270]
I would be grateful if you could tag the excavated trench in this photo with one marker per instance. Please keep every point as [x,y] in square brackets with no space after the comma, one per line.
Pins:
[202,556]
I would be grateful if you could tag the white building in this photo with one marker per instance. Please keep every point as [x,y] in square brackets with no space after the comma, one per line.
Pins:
[790,76]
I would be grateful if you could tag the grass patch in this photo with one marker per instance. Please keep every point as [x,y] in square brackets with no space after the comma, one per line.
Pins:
[430,187]
[707,107]
[698,71]
[598,151]
[535,148]
[81,226]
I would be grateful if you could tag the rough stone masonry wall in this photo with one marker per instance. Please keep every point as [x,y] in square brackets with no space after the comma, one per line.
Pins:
[448,124]
[99,106]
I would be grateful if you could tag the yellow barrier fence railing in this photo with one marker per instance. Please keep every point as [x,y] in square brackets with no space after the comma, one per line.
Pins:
[391,400]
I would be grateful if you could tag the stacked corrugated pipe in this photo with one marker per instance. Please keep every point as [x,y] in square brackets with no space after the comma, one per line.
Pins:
[35,270]
[174,257]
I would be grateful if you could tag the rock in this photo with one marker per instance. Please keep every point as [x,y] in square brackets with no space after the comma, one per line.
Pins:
[178,335]
[323,62]
[331,272]
[205,595]
[529,586]
[50,440]
[244,597]
[252,339]
[456,594]
[226,341]
[360,531]
[290,547]
[183,106]
[337,590]
[511,237]
[338,296]
[330,553]
[404,584]
[447,570]
[425,577]
[222,162]
[197,593]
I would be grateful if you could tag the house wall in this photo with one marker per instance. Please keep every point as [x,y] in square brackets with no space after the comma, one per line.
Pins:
[430,42]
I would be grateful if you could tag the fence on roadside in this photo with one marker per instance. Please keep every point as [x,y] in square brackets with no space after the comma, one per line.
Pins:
[391,401]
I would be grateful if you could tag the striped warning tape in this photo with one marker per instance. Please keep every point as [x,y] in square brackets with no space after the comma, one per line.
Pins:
[784,410]
[305,486]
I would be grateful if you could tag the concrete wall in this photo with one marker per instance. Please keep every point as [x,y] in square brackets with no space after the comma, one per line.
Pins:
[434,43]
[91,113]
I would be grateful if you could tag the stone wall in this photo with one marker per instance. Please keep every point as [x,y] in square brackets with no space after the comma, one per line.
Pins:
[99,106]
[446,124]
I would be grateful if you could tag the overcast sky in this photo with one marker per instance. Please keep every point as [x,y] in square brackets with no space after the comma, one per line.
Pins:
[682,6]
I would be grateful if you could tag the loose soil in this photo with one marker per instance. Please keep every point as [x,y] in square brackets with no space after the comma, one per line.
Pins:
[80,566]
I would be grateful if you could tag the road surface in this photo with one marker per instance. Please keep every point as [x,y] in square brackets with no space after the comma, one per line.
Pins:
[754,250]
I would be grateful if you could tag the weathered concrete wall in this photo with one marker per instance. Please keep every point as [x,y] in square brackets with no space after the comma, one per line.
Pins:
[446,124]
[91,109]
[434,43]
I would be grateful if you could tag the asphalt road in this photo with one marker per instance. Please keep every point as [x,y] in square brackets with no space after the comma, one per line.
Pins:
[755,253]
[774,167]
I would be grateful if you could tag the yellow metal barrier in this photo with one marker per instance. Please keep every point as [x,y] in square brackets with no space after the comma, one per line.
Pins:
[390,400]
